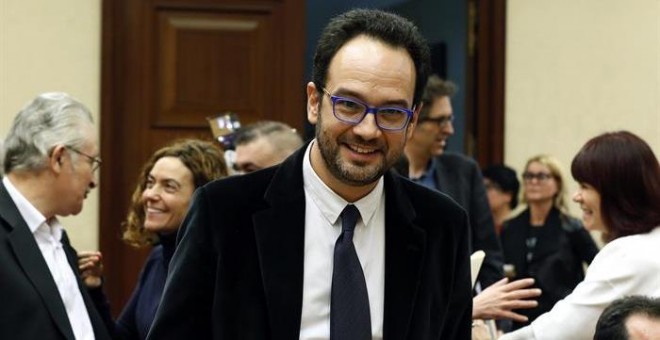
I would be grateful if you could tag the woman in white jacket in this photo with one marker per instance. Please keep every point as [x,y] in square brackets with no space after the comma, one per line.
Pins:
[619,194]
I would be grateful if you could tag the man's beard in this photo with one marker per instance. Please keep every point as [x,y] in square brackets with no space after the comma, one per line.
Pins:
[350,173]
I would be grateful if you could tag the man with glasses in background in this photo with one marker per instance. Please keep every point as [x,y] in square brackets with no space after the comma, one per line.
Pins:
[50,156]
[330,244]
[453,174]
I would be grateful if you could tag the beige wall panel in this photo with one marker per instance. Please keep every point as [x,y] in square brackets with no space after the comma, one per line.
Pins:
[52,46]
[575,69]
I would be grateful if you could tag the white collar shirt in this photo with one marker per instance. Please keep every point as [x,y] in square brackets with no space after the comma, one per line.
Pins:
[322,228]
[48,235]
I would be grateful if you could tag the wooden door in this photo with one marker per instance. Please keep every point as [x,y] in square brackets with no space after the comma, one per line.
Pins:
[166,67]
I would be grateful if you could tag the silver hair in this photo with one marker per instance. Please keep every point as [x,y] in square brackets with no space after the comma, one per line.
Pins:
[51,119]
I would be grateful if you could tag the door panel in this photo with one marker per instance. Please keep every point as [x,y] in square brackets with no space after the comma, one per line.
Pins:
[213,62]
[166,67]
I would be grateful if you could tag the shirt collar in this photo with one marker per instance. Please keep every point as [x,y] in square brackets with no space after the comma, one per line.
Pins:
[433,165]
[32,217]
[428,179]
[329,203]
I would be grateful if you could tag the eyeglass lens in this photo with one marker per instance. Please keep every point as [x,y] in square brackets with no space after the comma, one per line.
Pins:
[541,176]
[95,161]
[440,121]
[351,111]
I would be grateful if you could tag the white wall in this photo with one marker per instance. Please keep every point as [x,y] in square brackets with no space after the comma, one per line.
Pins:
[52,46]
[576,68]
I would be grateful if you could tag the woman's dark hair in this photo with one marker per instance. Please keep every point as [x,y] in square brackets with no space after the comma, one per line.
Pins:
[626,174]
[505,178]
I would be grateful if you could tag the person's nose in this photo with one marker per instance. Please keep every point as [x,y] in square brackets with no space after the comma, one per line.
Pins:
[448,128]
[94,182]
[577,196]
[367,128]
[151,193]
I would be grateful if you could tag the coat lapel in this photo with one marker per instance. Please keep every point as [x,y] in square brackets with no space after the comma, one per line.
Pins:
[94,316]
[33,264]
[280,236]
[404,253]
[516,236]
[444,177]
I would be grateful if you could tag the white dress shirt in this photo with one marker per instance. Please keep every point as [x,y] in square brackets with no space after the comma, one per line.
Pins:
[322,228]
[629,265]
[48,235]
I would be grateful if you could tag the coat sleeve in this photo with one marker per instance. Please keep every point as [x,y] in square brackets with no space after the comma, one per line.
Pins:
[186,305]
[459,321]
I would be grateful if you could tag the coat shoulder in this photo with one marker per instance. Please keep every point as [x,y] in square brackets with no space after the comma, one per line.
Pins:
[457,159]
[429,200]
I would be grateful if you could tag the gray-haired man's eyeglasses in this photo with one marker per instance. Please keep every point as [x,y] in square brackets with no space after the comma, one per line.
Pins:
[96,161]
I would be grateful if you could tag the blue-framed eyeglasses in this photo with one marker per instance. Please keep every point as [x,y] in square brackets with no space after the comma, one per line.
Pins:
[439,121]
[352,111]
[95,161]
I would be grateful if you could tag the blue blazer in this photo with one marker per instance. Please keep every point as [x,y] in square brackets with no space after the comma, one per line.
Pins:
[237,272]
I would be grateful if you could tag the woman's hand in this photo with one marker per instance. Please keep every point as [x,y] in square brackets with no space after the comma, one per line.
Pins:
[90,266]
[500,299]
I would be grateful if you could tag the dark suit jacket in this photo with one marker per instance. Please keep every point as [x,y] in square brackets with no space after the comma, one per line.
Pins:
[237,272]
[459,177]
[563,246]
[31,304]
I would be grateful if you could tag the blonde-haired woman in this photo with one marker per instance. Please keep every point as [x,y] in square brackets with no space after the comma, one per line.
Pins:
[544,242]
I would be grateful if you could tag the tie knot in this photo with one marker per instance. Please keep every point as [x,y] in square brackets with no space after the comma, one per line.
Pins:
[349,218]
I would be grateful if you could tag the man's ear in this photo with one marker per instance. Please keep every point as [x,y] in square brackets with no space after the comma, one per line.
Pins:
[313,100]
[413,121]
[56,158]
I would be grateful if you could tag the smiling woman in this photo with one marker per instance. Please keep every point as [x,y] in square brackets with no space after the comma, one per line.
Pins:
[168,190]
[159,204]
[619,193]
[172,173]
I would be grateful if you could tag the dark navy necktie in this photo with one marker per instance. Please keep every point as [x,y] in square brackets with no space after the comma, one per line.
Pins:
[349,307]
